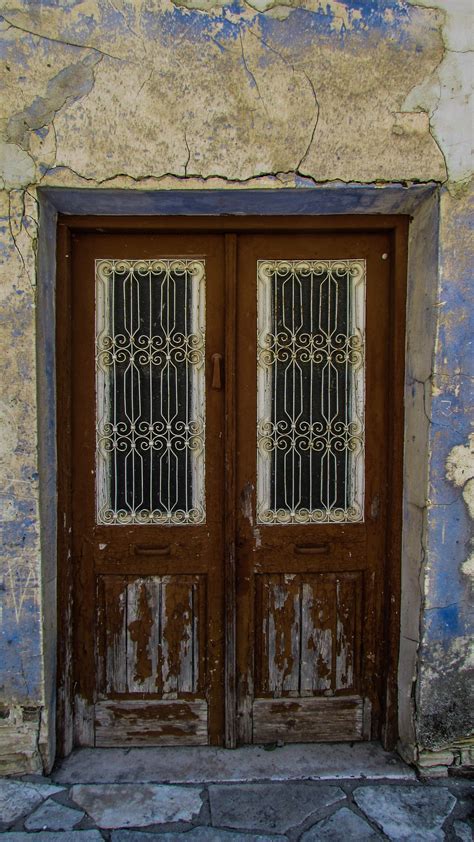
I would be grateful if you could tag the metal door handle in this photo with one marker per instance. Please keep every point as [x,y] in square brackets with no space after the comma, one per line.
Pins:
[143,550]
[306,549]
[216,371]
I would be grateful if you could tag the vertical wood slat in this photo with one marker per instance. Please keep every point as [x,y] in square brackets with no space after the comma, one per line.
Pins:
[308,633]
[345,632]
[143,638]
[177,637]
[113,592]
[283,634]
[318,625]
[151,639]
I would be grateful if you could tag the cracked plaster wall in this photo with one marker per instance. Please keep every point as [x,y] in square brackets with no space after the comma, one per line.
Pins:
[204,94]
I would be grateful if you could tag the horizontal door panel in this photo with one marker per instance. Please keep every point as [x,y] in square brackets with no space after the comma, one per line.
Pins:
[273,535]
[153,565]
[140,723]
[313,557]
[311,720]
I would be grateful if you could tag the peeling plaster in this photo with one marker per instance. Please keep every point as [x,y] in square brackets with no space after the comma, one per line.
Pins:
[17,168]
[264,92]
[447,94]
[69,84]
[460,472]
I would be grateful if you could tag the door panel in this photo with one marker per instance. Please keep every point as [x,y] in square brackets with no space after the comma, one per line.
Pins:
[147,481]
[311,484]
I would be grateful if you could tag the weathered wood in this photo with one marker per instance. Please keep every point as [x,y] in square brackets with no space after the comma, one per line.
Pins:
[308,642]
[143,619]
[392,573]
[83,722]
[142,634]
[179,638]
[151,723]
[113,620]
[333,610]
[363,547]
[308,720]
[345,631]
[281,630]
[150,628]
[317,634]
[230,500]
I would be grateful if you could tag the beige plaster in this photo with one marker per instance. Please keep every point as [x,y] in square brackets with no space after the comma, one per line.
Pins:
[236,108]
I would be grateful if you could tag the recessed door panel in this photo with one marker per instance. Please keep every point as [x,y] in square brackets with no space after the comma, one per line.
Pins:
[147,481]
[312,415]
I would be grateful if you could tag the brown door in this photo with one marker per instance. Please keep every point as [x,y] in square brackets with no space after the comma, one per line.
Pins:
[148,418]
[312,484]
[304,320]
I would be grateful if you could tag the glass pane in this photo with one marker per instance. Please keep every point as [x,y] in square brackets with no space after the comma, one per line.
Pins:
[150,338]
[310,373]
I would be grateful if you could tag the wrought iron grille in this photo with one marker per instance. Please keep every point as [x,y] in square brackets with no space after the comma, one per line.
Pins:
[311,383]
[150,340]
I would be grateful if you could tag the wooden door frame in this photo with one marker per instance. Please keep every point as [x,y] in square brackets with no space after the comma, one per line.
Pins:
[230,226]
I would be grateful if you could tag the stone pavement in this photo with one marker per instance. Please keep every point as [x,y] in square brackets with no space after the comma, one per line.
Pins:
[250,795]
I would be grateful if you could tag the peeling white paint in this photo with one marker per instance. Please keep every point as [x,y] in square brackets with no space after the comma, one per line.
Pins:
[447,94]
[460,471]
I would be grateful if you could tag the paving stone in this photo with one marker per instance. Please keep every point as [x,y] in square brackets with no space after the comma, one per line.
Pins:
[269,807]
[137,805]
[463,831]
[53,816]
[199,834]
[46,836]
[19,797]
[341,825]
[407,812]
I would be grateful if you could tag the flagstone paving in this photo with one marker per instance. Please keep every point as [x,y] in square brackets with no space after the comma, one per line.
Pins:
[132,805]
[407,814]
[20,797]
[342,825]
[359,810]
[53,816]
[271,807]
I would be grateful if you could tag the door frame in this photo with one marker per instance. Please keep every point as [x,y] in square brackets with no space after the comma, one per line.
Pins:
[397,227]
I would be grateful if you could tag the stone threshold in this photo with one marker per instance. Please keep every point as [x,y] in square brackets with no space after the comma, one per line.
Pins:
[206,764]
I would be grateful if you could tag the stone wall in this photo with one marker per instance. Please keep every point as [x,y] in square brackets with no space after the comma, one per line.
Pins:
[199,94]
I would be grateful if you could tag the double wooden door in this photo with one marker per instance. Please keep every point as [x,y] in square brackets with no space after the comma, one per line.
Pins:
[230,415]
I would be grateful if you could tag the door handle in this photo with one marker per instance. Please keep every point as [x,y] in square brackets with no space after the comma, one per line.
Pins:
[144,550]
[314,549]
[216,382]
